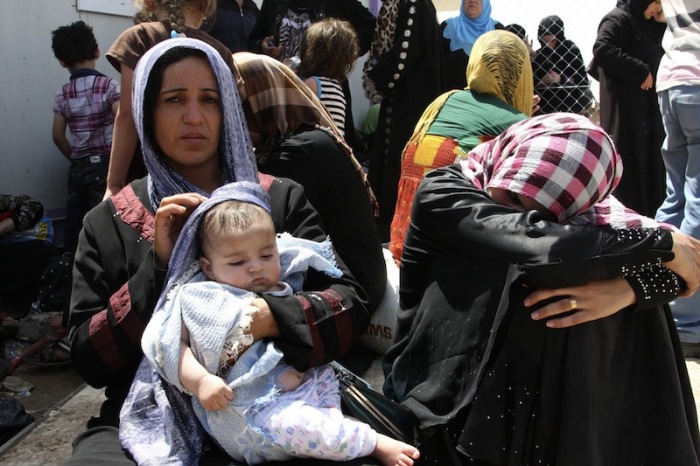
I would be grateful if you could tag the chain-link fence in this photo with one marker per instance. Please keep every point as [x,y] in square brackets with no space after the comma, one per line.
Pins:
[560,77]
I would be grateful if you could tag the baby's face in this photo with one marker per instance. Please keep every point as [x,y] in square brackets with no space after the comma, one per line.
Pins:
[518,202]
[248,260]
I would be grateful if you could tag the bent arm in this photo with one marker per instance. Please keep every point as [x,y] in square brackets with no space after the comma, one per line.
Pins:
[58,132]
[451,217]
[610,52]
[115,288]
[322,323]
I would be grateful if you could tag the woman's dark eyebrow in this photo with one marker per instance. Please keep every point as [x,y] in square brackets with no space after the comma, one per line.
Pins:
[179,89]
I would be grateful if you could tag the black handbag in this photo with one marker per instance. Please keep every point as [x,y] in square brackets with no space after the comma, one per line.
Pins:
[365,404]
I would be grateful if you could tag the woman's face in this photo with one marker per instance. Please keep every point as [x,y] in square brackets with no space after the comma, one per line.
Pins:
[187,116]
[518,202]
[653,9]
[473,8]
[549,40]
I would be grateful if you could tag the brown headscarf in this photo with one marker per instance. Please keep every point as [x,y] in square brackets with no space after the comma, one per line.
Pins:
[276,104]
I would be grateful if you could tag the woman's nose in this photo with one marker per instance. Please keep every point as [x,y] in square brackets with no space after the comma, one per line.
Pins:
[193,113]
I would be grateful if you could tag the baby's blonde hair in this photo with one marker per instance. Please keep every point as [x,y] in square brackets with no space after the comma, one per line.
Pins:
[230,218]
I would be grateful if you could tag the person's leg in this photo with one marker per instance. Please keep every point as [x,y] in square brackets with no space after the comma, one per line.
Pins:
[675,156]
[96,185]
[687,109]
[318,432]
[74,208]
[99,446]
[685,103]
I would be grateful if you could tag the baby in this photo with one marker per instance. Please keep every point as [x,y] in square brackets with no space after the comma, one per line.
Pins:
[254,405]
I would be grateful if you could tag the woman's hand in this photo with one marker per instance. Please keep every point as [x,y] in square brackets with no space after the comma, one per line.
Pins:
[268,47]
[264,324]
[551,78]
[583,303]
[170,217]
[686,261]
[646,85]
[536,103]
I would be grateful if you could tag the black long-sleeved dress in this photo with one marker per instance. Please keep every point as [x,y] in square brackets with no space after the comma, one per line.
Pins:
[410,76]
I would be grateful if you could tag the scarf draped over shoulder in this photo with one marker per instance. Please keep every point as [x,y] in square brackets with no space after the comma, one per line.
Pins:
[235,149]
[278,104]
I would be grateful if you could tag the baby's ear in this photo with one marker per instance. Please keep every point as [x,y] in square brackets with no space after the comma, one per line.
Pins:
[206,266]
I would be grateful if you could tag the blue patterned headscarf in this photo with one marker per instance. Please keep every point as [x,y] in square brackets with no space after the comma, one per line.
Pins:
[235,149]
[462,31]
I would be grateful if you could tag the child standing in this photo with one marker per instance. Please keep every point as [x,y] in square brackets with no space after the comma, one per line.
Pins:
[328,51]
[87,106]
[254,405]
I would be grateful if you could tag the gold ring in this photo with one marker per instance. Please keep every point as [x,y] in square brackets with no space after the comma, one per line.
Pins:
[572,301]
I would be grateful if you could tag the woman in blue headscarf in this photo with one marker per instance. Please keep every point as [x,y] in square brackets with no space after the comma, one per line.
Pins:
[458,36]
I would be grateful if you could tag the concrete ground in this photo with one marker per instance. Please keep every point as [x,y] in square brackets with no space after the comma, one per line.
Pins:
[49,442]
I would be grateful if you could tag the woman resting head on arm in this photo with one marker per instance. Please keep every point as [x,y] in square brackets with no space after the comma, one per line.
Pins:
[194,139]
[534,308]
[567,168]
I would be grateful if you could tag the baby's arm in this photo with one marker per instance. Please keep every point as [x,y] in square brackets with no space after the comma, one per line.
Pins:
[210,389]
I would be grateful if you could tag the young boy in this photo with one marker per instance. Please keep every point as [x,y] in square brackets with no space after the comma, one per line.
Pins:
[253,404]
[87,106]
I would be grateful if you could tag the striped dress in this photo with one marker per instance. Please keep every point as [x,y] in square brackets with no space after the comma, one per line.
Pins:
[330,93]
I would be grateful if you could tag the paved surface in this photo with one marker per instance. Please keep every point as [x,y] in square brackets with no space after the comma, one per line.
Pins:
[49,443]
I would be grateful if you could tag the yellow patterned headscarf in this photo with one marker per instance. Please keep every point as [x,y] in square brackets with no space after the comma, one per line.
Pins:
[500,66]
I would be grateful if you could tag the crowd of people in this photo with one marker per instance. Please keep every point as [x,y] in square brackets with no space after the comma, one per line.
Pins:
[228,240]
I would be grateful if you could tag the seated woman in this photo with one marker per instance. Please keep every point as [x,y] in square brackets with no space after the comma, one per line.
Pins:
[189,120]
[294,136]
[533,328]
[499,93]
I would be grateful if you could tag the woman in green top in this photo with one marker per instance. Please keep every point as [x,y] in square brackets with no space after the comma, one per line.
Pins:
[499,93]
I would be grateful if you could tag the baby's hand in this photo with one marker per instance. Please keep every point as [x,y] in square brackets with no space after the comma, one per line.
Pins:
[213,392]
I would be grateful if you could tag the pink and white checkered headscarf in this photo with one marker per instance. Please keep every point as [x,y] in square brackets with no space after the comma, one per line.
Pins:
[561,160]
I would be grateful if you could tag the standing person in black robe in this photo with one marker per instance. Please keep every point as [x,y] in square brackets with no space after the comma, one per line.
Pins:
[626,55]
[404,72]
